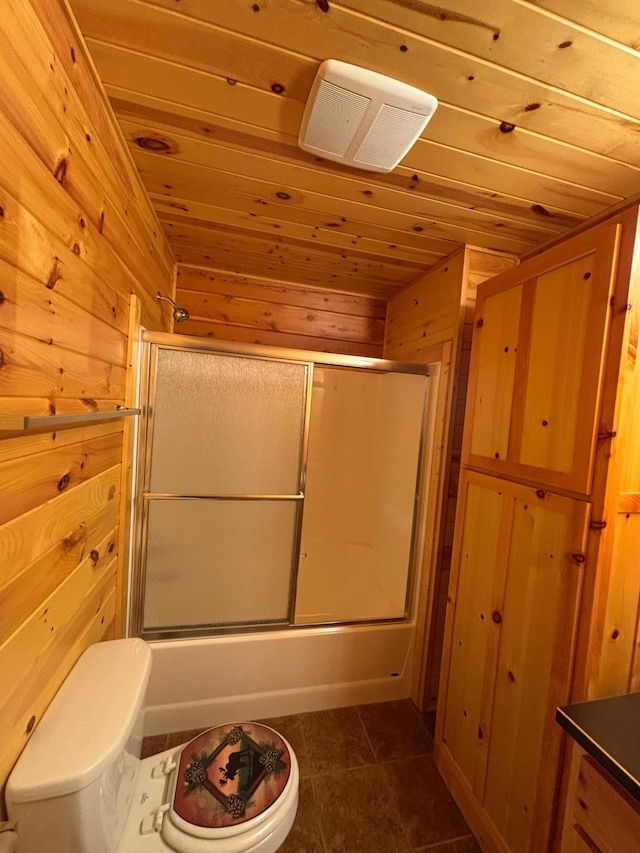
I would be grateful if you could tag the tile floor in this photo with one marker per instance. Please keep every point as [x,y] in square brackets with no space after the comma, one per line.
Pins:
[368,783]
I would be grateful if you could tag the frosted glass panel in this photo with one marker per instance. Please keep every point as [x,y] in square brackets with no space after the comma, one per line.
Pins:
[227,425]
[217,562]
[364,445]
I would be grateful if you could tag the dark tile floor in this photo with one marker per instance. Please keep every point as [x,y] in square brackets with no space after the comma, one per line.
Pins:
[368,783]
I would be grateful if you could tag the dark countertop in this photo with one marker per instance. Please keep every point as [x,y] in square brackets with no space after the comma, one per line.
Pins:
[609,730]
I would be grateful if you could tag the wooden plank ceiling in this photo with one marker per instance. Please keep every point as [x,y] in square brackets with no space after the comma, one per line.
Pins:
[538,127]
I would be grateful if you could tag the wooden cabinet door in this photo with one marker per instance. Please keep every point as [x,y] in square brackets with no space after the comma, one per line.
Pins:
[603,812]
[577,841]
[536,364]
[509,645]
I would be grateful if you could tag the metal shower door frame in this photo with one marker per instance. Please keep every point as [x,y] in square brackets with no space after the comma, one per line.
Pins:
[152,342]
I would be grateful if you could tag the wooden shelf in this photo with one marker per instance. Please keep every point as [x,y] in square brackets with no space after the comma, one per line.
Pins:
[22,423]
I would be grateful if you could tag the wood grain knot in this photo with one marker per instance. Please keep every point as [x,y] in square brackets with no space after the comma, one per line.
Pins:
[606,434]
[497,617]
[539,210]
[94,556]
[153,143]
[54,276]
[60,172]
[73,538]
[63,482]
[30,724]
[277,88]
[323,5]
[540,493]
[507,127]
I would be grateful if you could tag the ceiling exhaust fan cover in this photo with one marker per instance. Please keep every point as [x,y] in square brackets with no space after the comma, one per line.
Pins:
[361,118]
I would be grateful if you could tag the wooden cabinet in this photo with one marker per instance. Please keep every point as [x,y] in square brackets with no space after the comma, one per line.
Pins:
[549,496]
[537,362]
[518,573]
[601,817]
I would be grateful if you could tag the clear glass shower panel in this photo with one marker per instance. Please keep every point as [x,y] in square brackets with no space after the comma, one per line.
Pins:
[226,425]
[362,468]
[216,562]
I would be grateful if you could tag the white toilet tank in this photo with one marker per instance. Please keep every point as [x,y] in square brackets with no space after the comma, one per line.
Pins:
[71,790]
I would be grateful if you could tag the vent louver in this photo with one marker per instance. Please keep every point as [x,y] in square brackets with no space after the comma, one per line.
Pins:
[362,118]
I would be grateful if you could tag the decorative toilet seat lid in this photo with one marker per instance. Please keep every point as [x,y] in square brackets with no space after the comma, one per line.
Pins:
[228,776]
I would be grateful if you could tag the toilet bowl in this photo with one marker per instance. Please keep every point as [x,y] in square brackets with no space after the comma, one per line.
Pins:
[80,785]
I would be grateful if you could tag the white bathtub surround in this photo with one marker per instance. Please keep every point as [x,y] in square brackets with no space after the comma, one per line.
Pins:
[209,681]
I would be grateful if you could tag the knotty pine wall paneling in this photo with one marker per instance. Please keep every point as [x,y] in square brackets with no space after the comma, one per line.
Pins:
[78,238]
[431,321]
[257,310]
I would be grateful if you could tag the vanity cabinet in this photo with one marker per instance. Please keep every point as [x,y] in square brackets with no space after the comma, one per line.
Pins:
[536,367]
[544,507]
[602,817]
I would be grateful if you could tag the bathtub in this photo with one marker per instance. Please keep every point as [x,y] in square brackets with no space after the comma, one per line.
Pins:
[205,682]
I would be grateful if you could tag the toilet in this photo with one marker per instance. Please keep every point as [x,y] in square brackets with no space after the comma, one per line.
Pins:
[80,785]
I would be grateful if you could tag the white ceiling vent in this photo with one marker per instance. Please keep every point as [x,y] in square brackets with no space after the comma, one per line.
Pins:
[362,118]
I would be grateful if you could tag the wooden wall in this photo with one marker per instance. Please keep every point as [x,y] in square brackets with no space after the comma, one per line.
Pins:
[77,238]
[256,310]
[431,321]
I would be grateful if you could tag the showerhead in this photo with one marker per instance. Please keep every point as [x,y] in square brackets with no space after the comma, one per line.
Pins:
[179,314]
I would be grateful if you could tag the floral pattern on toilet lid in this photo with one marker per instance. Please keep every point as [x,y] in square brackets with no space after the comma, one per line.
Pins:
[230,774]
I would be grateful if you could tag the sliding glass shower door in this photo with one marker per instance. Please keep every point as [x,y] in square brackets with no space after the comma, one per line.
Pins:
[223,489]
[275,488]
[364,443]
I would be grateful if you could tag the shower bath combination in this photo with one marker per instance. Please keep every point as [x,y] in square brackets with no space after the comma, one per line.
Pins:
[287,527]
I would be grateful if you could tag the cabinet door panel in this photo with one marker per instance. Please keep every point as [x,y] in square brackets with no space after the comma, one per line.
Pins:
[561,308]
[605,812]
[535,376]
[511,626]
[473,635]
[577,841]
[496,373]
[533,669]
